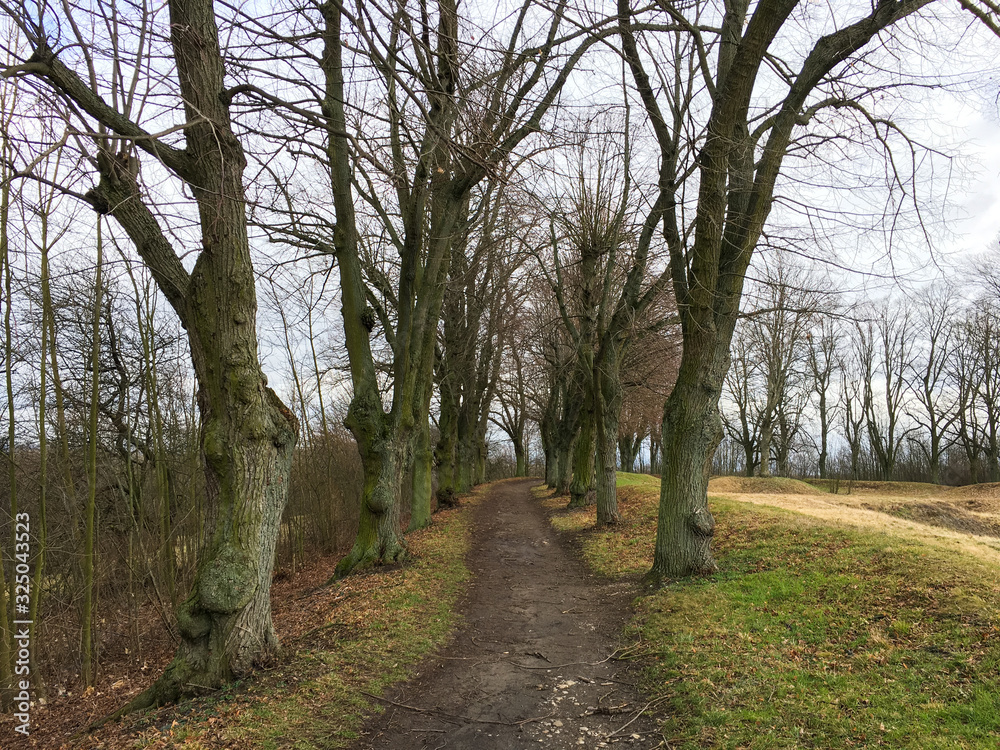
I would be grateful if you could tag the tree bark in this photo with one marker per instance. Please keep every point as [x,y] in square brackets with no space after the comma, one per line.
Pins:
[608,402]
[766,433]
[422,485]
[692,429]
[520,463]
[582,491]
[444,452]
[379,541]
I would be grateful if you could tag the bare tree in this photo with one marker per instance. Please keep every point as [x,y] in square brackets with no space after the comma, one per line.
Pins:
[978,352]
[742,410]
[823,342]
[248,435]
[883,348]
[454,113]
[777,333]
[929,381]
[740,157]
[852,401]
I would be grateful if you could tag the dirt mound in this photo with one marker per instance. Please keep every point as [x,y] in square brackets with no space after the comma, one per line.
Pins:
[761,486]
[978,498]
[944,514]
[987,491]
[868,487]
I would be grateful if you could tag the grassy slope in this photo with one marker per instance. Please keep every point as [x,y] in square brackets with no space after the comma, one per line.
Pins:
[863,487]
[378,627]
[811,635]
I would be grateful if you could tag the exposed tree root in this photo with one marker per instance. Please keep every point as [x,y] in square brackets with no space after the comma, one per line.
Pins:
[364,558]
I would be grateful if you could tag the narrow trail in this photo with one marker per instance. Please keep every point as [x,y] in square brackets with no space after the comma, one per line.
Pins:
[532,664]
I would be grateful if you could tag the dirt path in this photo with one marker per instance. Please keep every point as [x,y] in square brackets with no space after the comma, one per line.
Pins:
[532,664]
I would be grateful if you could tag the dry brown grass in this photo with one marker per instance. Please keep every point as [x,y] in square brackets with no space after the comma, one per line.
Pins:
[870,487]
[965,519]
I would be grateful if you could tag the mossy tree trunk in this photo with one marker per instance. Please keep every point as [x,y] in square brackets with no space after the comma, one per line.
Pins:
[565,439]
[247,433]
[564,464]
[379,540]
[548,426]
[581,489]
[607,410]
[422,484]
[520,459]
[381,437]
[692,430]
[444,451]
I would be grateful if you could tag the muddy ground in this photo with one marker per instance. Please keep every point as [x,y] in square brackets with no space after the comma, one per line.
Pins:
[534,663]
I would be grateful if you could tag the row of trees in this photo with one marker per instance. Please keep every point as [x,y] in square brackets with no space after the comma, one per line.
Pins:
[384,150]
[914,377]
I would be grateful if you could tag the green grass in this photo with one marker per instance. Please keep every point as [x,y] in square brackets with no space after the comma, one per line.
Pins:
[637,480]
[380,626]
[812,636]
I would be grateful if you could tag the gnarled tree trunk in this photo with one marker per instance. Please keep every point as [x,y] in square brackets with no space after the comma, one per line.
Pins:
[247,434]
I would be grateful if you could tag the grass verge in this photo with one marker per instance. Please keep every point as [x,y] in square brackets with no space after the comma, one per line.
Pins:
[811,635]
[374,630]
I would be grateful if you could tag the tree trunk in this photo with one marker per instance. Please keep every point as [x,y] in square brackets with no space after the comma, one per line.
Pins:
[608,406]
[465,460]
[655,450]
[247,440]
[692,429]
[445,450]
[824,430]
[521,467]
[549,430]
[766,433]
[422,481]
[566,431]
[628,450]
[564,465]
[581,491]
[247,433]
[379,541]
[423,477]
[551,466]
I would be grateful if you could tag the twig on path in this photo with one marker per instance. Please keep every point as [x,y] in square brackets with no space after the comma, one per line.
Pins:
[484,648]
[571,664]
[639,713]
[458,716]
